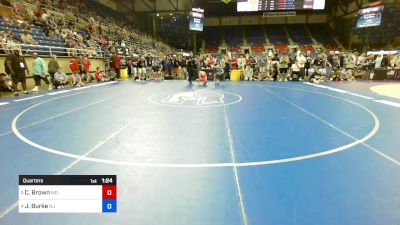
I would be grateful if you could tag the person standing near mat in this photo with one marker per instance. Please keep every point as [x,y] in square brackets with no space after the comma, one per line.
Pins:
[81,67]
[175,67]
[284,66]
[248,73]
[191,67]
[73,65]
[241,63]
[16,66]
[301,62]
[39,72]
[115,62]
[53,67]
[86,69]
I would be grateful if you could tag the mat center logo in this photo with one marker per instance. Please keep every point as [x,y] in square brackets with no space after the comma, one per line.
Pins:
[194,98]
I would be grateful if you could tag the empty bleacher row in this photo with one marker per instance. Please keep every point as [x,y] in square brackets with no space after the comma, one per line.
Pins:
[278,36]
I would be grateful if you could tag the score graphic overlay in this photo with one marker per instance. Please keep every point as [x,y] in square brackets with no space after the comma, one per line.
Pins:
[67,193]
[196,19]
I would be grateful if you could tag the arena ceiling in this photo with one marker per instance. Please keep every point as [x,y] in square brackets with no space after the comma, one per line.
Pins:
[156,6]
[212,7]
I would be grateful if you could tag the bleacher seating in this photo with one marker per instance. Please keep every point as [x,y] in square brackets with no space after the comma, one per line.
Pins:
[322,35]
[307,48]
[331,47]
[235,49]
[39,36]
[234,36]
[257,48]
[299,34]
[211,49]
[255,35]
[213,36]
[276,35]
[281,48]
[103,10]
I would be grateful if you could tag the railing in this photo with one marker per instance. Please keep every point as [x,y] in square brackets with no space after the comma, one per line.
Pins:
[74,15]
[44,50]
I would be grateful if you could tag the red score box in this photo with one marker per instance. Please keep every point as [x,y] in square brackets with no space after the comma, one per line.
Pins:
[109,192]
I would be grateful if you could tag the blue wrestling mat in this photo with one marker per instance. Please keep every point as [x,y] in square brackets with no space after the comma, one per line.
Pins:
[244,153]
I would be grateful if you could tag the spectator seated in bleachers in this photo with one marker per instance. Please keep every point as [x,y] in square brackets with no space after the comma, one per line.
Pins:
[5,20]
[11,38]
[27,38]
[4,49]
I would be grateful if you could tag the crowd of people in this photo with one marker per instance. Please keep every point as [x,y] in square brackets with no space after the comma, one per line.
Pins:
[148,59]
[316,67]
[333,66]
[80,73]
[89,33]
[86,35]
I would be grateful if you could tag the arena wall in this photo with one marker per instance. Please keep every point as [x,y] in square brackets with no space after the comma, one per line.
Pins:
[259,20]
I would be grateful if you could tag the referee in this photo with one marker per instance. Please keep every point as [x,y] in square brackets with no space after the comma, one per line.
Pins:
[16,66]
[192,68]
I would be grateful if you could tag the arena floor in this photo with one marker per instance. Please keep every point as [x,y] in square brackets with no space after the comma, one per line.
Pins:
[244,153]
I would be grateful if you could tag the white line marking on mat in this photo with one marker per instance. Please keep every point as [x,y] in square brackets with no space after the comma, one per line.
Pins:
[382,154]
[320,86]
[361,96]
[208,165]
[33,97]
[76,161]
[58,92]
[23,127]
[9,209]
[234,169]
[69,166]
[15,204]
[64,113]
[96,85]
[337,90]
[337,128]
[395,104]
[80,88]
